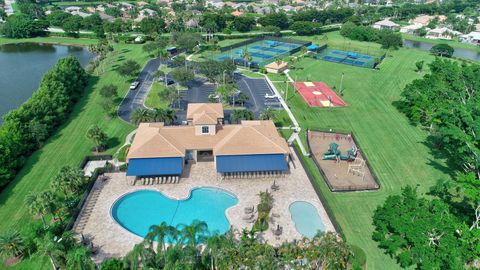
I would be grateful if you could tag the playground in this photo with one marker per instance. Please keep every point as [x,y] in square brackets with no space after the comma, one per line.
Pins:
[341,162]
[318,94]
[347,57]
[260,52]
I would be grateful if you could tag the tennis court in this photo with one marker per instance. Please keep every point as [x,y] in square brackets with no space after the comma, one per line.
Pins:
[348,58]
[262,52]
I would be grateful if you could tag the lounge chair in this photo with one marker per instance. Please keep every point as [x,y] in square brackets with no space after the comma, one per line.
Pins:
[249,210]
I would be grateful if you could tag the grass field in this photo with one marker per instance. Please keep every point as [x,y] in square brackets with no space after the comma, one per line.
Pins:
[394,148]
[51,40]
[67,147]
[153,100]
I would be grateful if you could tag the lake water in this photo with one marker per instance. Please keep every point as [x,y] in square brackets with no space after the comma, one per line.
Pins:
[23,65]
[459,52]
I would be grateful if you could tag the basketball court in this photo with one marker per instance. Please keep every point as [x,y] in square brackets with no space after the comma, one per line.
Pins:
[318,94]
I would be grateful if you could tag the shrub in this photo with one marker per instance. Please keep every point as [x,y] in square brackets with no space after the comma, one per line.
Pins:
[442,49]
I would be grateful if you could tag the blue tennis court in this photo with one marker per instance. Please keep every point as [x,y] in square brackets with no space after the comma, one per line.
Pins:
[261,52]
[344,57]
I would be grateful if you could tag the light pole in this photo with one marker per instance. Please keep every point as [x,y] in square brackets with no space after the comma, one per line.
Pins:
[341,84]
[223,77]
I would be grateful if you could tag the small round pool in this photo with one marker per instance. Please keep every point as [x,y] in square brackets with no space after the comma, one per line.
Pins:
[139,210]
[306,218]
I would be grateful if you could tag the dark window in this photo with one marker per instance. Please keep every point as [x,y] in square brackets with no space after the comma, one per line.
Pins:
[205,130]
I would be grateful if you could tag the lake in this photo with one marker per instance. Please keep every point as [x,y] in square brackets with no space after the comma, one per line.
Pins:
[459,52]
[23,65]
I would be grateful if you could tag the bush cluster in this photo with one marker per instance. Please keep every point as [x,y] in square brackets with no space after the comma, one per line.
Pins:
[25,129]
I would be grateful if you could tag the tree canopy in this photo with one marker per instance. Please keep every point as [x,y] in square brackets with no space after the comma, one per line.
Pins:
[442,49]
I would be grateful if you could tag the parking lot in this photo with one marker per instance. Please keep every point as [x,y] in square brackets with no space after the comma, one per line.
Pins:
[256,89]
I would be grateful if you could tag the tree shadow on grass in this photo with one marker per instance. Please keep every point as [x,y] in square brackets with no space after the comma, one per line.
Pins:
[113,142]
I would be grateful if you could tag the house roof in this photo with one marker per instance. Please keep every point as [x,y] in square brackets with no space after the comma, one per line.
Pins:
[387,22]
[247,138]
[214,110]
[276,66]
[237,13]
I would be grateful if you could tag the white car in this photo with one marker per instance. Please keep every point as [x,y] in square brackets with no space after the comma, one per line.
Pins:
[134,85]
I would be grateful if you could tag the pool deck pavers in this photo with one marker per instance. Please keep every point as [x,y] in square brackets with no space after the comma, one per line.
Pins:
[114,241]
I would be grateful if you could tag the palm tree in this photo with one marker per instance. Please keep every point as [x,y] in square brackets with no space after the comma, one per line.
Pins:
[268,114]
[140,115]
[97,135]
[11,244]
[194,232]
[50,247]
[67,180]
[35,207]
[48,202]
[79,258]
[158,233]
[246,56]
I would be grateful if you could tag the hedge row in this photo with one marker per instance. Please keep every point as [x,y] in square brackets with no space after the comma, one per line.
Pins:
[26,129]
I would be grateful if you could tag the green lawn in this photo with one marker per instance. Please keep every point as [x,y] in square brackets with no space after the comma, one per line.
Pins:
[394,148]
[67,147]
[51,40]
[153,100]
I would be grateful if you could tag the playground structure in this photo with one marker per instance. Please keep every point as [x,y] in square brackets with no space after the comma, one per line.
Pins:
[340,161]
[318,94]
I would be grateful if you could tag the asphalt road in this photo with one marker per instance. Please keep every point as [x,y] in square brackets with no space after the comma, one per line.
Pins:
[135,98]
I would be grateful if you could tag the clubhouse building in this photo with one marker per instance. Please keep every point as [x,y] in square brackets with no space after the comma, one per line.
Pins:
[246,149]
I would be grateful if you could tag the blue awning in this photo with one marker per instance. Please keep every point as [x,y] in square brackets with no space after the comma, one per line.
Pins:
[313,47]
[251,163]
[154,166]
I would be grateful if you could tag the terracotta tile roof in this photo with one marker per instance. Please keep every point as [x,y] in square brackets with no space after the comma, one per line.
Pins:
[215,110]
[275,65]
[249,137]
[205,119]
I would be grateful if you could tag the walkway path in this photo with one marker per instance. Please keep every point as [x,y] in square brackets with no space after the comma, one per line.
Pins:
[294,135]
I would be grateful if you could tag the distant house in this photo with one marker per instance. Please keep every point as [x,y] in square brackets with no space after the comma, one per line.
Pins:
[106,17]
[411,29]
[275,67]
[472,37]
[192,23]
[72,9]
[287,8]
[424,20]
[142,3]
[386,24]
[236,13]
[442,33]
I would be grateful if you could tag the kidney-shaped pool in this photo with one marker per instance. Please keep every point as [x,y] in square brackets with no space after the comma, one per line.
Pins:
[306,218]
[139,210]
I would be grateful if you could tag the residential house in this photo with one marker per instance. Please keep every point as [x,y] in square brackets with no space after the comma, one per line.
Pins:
[386,24]
[411,29]
[472,37]
[236,13]
[424,20]
[276,67]
[442,33]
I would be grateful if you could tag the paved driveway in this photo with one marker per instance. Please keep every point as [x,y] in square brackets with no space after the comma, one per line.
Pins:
[135,98]
[256,89]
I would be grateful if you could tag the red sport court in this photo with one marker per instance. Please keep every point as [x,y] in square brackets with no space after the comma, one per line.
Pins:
[318,94]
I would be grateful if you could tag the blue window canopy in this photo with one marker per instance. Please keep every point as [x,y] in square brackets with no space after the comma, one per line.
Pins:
[251,163]
[155,166]
[313,47]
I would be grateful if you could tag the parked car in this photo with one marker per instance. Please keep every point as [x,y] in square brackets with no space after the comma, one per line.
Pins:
[134,85]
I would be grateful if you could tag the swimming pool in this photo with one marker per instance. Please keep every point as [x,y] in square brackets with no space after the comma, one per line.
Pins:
[306,218]
[139,210]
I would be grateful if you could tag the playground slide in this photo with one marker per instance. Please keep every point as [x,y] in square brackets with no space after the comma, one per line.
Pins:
[329,157]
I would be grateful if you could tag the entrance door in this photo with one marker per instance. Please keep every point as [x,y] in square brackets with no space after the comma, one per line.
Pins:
[205,155]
